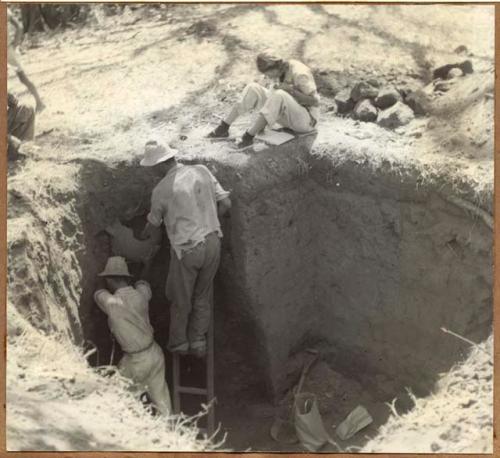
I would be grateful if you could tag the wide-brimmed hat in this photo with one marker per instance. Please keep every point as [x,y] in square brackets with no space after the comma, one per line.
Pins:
[115,267]
[155,152]
[267,60]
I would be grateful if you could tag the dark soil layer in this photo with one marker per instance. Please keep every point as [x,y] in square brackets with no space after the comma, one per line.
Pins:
[365,265]
[395,263]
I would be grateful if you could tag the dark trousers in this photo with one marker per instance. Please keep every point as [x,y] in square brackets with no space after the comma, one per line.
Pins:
[190,290]
[21,121]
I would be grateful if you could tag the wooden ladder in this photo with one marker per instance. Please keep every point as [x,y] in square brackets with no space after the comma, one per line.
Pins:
[208,391]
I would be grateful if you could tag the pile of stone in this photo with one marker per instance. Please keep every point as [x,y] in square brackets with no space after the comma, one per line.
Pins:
[391,107]
[387,106]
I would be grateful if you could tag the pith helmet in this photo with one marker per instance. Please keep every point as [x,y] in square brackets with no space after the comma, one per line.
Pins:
[155,152]
[115,267]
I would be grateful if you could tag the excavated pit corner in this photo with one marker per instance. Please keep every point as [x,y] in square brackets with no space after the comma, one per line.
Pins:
[368,265]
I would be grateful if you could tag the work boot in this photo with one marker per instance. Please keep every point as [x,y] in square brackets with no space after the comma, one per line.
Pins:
[246,141]
[198,348]
[221,131]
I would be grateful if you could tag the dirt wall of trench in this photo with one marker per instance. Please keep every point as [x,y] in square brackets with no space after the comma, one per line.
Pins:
[264,289]
[368,265]
[396,262]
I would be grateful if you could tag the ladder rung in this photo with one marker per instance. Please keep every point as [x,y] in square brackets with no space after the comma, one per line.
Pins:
[192,390]
[209,391]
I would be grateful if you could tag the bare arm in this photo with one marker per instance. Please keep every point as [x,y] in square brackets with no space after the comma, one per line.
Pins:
[105,300]
[150,231]
[223,206]
[146,269]
[148,262]
[18,38]
[31,87]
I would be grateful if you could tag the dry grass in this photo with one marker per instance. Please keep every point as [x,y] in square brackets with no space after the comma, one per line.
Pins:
[55,401]
[456,418]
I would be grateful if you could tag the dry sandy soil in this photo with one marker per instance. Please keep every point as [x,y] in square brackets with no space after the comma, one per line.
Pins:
[165,73]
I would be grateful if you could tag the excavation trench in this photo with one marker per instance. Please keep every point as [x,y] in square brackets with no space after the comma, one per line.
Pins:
[364,265]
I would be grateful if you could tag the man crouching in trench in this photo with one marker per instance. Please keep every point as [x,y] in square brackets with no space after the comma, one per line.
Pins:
[128,319]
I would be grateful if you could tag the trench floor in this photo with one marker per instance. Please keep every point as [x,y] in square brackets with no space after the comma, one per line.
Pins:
[243,411]
[246,416]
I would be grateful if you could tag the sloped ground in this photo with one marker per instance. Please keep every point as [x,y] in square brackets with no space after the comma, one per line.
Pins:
[464,394]
[57,402]
[159,73]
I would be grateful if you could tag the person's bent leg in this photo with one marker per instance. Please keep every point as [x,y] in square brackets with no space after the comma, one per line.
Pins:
[27,117]
[292,115]
[179,290]
[156,384]
[253,97]
[21,122]
[13,145]
[147,370]
[269,114]
[203,294]
[259,125]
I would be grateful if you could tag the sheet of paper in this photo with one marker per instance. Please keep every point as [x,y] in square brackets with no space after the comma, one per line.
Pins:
[274,137]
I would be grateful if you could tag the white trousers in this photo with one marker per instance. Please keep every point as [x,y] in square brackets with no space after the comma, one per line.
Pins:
[277,106]
[147,369]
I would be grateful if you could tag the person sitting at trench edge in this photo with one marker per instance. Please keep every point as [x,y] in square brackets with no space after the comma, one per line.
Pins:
[188,201]
[293,103]
[128,318]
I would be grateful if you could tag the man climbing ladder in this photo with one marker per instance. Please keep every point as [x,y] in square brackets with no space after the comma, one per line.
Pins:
[188,200]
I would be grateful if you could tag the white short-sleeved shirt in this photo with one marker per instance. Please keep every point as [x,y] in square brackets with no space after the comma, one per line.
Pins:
[185,200]
[301,78]
[128,315]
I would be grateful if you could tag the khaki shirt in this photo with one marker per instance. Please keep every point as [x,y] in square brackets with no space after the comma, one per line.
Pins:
[185,200]
[301,78]
[128,315]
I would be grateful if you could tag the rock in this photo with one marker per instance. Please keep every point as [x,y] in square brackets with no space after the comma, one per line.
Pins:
[462,49]
[443,86]
[363,90]
[396,116]
[203,28]
[344,101]
[442,72]
[435,447]
[373,82]
[419,102]
[387,97]
[365,111]
[454,73]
